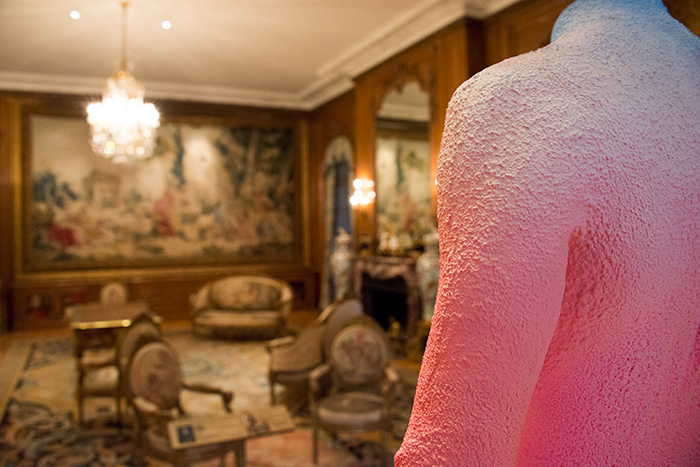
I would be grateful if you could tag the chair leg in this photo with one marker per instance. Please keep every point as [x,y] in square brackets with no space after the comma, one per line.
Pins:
[239,453]
[81,409]
[118,401]
[385,450]
[273,398]
[180,459]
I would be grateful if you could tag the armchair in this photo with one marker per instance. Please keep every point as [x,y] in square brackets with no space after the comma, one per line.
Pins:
[363,383]
[293,358]
[155,383]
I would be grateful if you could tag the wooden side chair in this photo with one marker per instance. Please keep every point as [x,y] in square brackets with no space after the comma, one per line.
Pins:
[363,383]
[155,385]
[293,358]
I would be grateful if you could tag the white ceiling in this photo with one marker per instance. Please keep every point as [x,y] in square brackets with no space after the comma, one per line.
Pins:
[274,53]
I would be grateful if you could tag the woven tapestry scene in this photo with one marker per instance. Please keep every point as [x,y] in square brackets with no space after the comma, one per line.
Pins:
[40,415]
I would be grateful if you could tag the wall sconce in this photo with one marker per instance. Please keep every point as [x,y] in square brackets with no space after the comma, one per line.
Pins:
[364,194]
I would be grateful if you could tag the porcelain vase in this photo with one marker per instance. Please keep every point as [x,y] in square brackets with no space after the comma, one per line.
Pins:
[341,264]
[428,271]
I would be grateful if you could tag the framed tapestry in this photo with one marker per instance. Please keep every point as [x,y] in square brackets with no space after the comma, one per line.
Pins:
[213,193]
[403,189]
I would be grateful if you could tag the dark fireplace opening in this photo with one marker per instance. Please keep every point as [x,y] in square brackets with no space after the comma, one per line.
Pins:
[385,300]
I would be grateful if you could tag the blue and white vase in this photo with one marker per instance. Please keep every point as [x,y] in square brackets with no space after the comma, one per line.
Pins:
[341,264]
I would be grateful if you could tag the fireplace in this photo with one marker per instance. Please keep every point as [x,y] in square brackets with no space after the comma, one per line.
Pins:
[388,288]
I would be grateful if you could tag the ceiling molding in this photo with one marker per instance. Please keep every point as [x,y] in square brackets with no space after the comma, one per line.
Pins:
[36,82]
[333,78]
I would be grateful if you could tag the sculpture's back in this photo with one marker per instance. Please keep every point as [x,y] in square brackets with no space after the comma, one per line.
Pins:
[566,329]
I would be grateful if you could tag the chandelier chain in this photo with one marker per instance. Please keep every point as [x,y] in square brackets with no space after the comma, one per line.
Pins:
[124,64]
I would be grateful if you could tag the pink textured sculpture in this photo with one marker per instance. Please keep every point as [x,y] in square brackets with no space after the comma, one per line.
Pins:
[567,325]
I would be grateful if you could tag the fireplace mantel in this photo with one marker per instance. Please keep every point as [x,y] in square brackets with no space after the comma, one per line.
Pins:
[390,267]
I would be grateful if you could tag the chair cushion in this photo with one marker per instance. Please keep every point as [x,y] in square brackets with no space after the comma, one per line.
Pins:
[227,318]
[351,408]
[241,294]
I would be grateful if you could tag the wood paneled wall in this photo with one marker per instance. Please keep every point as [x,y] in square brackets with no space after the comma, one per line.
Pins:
[524,27]
[687,12]
[441,63]
[527,25]
[36,300]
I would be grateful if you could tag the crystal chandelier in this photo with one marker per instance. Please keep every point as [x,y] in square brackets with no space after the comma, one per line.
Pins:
[122,126]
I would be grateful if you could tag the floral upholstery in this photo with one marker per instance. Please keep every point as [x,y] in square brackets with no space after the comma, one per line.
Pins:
[242,305]
[155,375]
[359,354]
[233,293]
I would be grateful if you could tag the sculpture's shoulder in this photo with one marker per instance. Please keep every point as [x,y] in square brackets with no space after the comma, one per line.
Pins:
[519,82]
[515,100]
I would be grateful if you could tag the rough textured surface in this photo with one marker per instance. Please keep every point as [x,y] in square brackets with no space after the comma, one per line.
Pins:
[566,329]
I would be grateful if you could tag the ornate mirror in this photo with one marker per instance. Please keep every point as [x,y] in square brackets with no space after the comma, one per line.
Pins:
[403,169]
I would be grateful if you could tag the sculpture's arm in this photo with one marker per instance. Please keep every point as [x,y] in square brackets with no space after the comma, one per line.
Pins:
[506,210]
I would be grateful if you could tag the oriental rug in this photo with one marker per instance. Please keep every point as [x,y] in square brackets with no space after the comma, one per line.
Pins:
[37,387]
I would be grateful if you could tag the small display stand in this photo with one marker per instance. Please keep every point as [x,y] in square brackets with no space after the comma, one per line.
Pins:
[233,429]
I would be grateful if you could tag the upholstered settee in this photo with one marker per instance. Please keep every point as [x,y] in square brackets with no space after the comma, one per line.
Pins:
[254,307]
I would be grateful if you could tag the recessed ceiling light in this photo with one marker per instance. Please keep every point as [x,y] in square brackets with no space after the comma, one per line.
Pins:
[75,14]
[166,24]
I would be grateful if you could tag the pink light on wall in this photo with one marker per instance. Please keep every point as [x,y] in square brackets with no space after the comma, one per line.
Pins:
[567,323]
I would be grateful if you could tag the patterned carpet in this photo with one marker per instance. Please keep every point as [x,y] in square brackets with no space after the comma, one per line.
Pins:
[37,386]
